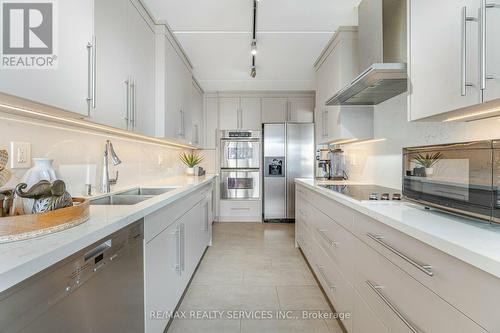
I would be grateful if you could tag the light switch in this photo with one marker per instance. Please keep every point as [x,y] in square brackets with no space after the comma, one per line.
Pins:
[20,153]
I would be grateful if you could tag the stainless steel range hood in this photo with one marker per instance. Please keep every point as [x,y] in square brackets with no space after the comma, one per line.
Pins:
[382,52]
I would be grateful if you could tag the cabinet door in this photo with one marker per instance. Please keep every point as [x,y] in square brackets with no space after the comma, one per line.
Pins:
[142,61]
[301,109]
[492,54]
[197,116]
[274,110]
[174,74]
[435,71]
[229,113]
[67,86]
[163,283]
[211,123]
[112,63]
[250,114]
[187,105]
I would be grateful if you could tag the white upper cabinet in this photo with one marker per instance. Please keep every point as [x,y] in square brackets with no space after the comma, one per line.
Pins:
[67,86]
[301,109]
[178,94]
[211,123]
[337,66]
[443,64]
[274,110]
[492,64]
[229,113]
[125,46]
[197,137]
[250,109]
[292,109]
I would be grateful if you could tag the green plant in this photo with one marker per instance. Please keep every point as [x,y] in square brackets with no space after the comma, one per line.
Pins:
[427,160]
[191,160]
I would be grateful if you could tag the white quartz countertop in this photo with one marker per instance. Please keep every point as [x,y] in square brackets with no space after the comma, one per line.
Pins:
[474,242]
[20,260]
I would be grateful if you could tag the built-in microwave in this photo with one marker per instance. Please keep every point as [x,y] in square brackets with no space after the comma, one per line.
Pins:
[461,178]
[240,184]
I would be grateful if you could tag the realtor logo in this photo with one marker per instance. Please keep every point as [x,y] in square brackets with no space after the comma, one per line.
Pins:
[28,30]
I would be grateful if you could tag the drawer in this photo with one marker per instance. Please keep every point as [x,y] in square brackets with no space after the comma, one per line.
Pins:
[341,214]
[307,244]
[336,242]
[240,211]
[335,285]
[470,290]
[401,302]
[363,318]
[303,214]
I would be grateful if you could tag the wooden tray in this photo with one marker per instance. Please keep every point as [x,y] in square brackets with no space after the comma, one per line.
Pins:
[16,228]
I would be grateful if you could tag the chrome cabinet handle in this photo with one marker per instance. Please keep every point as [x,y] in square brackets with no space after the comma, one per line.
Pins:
[376,290]
[132,104]
[482,51]
[177,235]
[427,269]
[92,72]
[127,116]
[216,138]
[326,238]
[464,84]
[321,270]
[183,247]
[288,107]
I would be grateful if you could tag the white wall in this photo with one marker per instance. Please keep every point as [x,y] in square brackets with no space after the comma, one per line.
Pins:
[381,162]
[73,150]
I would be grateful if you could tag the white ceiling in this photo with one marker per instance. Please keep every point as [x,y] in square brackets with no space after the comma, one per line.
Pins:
[216,36]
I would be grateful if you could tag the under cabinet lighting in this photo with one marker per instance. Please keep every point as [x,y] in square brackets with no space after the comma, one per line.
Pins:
[474,115]
[362,142]
[89,125]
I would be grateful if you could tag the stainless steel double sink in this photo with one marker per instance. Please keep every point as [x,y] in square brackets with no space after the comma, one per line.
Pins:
[130,197]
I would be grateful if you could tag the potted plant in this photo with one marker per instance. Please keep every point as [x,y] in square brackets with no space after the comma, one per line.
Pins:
[428,161]
[191,161]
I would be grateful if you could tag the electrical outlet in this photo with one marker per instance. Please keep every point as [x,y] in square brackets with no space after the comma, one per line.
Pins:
[20,153]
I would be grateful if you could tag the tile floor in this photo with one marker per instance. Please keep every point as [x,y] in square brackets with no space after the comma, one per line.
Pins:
[253,267]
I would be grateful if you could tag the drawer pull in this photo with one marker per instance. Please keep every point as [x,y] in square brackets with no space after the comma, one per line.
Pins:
[427,269]
[321,270]
[376,290]
[326,238]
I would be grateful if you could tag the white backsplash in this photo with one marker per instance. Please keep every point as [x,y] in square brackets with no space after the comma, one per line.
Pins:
[381,162]
[75,151]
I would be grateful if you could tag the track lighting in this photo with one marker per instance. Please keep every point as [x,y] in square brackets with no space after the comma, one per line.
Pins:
[253,49]
[253,72]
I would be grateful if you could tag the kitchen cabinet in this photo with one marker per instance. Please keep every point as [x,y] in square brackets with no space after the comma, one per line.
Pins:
[250,113]
[197,137]
[176,238]
[125,73]
[492,65]
[178,90]
[211,123]
[438,71]
[291,109]
[336,67]
[240,113]
[67,86]
[383,286]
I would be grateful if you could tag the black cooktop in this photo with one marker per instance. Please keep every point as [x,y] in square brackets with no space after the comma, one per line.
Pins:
[366,192]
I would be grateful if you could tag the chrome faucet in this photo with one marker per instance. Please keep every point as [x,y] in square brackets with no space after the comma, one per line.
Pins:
[106,181]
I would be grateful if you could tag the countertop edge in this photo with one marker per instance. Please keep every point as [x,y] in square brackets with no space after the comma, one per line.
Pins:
[462,253]
[23,271]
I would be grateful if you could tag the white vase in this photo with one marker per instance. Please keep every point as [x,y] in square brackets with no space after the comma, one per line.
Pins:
[429,171]
[190,171]
[41,170]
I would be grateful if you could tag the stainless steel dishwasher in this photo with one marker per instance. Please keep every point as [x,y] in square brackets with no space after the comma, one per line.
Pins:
[99,289]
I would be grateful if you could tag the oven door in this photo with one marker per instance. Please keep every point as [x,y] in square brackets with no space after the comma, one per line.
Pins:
[240,184]
[240,154]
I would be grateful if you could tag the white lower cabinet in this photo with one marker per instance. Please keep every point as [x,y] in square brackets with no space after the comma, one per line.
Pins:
[175,239]
[382,291]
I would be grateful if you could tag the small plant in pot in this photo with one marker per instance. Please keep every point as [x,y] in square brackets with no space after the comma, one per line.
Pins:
[191,161]
[428,161]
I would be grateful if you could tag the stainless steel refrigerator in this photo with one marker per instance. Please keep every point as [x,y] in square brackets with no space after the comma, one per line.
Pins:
[288,154]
